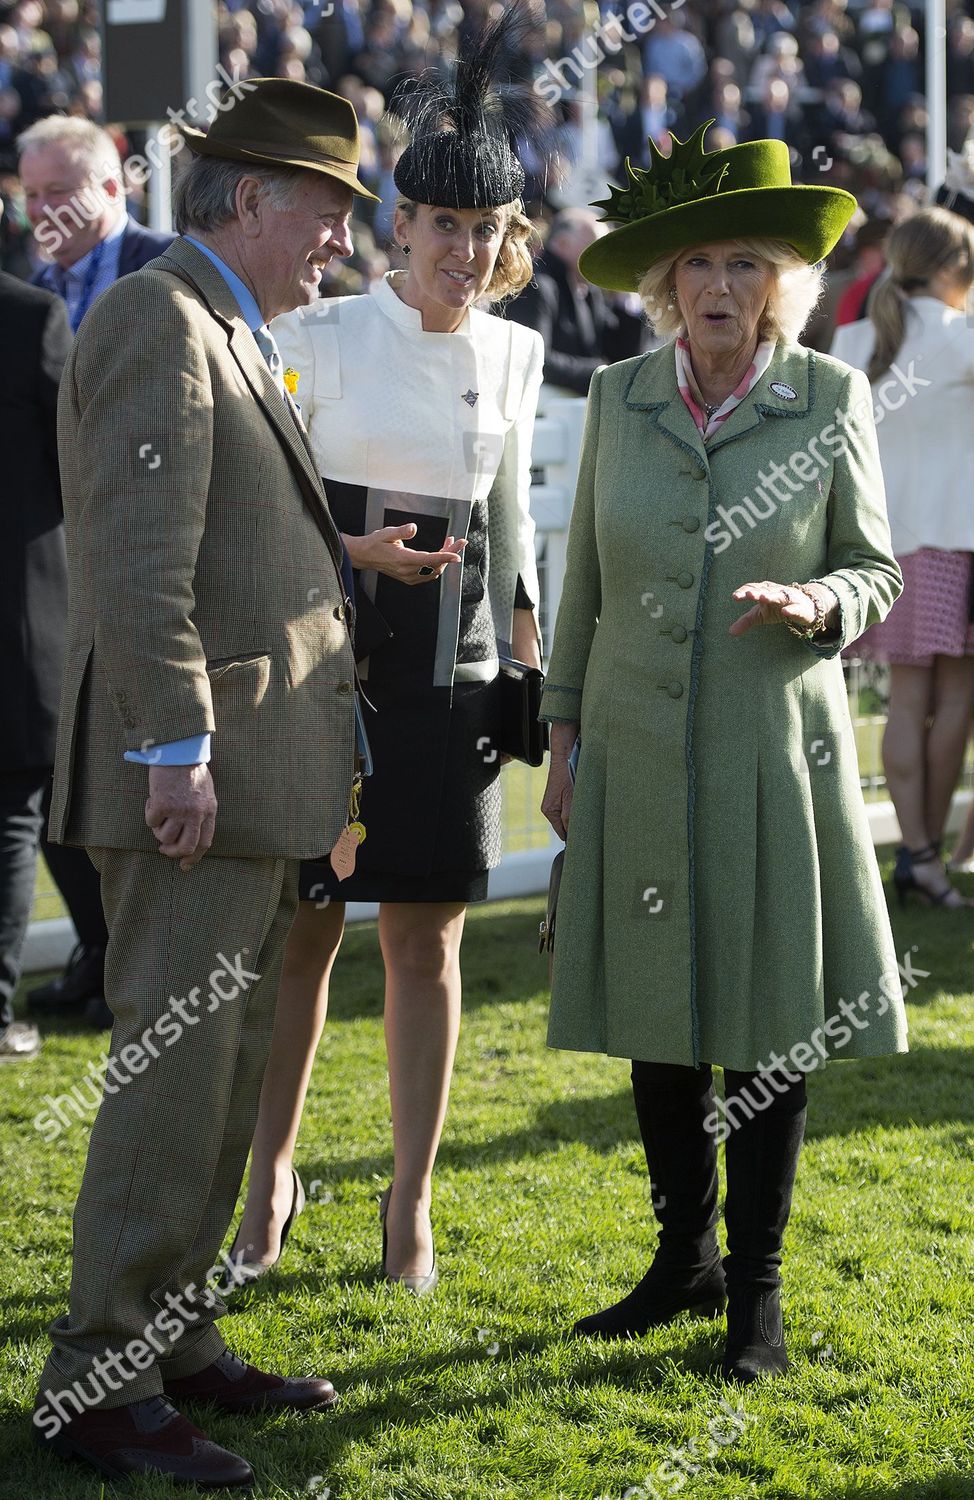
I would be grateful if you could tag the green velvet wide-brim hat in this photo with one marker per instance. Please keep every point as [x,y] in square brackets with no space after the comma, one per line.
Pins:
[697,197]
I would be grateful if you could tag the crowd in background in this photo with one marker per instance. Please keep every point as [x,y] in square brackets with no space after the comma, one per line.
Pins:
[841,81]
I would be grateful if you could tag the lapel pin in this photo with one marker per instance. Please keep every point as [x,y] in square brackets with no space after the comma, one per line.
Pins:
[470,397]
[786,392]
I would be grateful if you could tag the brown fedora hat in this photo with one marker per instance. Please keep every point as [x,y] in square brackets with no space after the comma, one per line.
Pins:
[279,122]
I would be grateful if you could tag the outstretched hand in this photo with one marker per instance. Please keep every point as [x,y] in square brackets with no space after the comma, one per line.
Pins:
[385,551]
[774,604]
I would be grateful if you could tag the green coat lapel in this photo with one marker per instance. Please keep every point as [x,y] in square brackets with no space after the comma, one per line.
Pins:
[653,389]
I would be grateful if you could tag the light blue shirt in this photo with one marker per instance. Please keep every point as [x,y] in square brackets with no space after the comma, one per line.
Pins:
[71,284]
[196,750]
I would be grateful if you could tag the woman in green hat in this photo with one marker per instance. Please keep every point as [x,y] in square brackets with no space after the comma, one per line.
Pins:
[721,903]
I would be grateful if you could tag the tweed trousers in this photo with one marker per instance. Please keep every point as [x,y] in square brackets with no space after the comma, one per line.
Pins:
[191,974]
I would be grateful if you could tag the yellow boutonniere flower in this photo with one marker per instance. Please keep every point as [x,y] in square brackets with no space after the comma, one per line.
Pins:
[291,378]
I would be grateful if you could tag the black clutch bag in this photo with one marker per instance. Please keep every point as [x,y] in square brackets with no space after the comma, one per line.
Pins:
[521,733]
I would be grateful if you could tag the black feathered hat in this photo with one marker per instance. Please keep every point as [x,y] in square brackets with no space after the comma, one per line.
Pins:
[460,151]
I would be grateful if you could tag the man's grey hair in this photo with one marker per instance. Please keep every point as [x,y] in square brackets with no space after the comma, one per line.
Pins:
[204,196]
[86,143]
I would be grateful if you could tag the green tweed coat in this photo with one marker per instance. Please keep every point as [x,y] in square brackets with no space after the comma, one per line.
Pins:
[721,900]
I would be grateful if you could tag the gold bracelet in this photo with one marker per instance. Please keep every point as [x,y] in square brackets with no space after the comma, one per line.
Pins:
[818,625]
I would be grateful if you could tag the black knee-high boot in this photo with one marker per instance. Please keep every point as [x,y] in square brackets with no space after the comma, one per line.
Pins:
[766,1132]
[672,1105]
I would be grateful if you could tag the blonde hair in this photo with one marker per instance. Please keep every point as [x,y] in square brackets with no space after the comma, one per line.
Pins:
[514,266]
[795,291]
[930,241]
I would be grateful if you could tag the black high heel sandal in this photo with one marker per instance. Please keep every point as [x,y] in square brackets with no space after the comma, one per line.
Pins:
[905,880]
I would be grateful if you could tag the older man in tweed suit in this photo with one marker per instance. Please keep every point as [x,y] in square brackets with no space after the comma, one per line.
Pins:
[206,744]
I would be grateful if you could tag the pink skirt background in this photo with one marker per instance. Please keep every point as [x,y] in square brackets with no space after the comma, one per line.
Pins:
[932,616]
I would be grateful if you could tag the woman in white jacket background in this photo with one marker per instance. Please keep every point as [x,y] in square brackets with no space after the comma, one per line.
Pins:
[917,347]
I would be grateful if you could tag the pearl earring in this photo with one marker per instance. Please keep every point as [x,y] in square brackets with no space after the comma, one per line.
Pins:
[672,297]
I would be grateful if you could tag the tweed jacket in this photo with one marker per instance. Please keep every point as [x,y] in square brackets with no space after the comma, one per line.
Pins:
[720,897]
[204,576]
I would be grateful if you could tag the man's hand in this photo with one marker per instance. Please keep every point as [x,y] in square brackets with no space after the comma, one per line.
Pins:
[385,551]
[181,811]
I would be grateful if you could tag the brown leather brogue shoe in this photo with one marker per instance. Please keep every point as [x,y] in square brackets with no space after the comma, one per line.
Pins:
[232,1385]
[145,1437]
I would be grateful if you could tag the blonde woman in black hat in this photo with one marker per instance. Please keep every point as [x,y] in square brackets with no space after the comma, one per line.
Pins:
[420,409]
[720,903]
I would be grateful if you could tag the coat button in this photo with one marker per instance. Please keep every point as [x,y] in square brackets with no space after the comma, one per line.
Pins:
[675,689]
[344,688]
[692,523]
[678,634]
[339,611]
[696,472]
[685,580]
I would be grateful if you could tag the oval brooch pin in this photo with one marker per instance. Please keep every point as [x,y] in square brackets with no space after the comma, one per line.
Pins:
[786,392]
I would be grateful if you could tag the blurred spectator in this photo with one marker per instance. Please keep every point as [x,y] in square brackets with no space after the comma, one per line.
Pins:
[868,266]
[75,202]
[736,39]
[35,339]
[75,199]
[899,80]
[851,69]
[770,17]
[780,61]
[841,114]
[676,55]
[960,55]
[16,239]
[572,316]
[729,116]
[826,60]
[957,190]
[652,117]
[776,117]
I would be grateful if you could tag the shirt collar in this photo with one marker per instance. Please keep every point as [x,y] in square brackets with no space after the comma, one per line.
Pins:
[246,300]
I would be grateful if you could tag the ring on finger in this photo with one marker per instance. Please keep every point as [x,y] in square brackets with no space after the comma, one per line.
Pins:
[426,571]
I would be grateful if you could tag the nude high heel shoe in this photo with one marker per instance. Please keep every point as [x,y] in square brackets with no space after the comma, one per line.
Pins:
[420,1286]
[245,1271]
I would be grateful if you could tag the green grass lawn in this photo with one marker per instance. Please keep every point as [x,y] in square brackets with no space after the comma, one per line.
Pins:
[541,1214]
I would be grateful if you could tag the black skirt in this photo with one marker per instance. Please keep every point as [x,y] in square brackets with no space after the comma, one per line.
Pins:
[432,807]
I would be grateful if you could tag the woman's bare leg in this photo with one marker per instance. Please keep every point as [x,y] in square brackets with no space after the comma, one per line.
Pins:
[904,750]
[953,704]
[302,1004]
[421,948]
[964,848]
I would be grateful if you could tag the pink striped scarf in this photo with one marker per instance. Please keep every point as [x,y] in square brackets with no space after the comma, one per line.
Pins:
[690,391]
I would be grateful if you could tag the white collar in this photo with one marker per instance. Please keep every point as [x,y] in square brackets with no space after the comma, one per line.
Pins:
[408,317]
